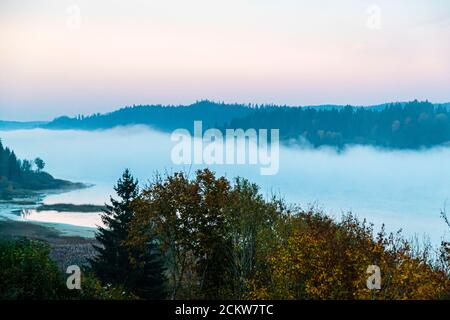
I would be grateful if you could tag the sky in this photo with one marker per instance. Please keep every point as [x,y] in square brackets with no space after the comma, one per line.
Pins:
[82,56]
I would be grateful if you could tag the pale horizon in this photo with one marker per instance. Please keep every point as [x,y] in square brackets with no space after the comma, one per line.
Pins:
[120,53]
[89,113]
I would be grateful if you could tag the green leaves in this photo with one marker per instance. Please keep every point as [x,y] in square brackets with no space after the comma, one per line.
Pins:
[27,272]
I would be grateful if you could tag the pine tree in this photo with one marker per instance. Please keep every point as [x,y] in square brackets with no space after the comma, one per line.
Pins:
[119,264]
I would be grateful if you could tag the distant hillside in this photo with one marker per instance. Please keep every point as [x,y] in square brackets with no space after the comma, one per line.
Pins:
[165,118]
[16,125]
[402,125]
[411,125]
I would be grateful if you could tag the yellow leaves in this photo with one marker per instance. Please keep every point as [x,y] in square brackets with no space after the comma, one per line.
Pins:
[266,251]
[415,279]
[323,260]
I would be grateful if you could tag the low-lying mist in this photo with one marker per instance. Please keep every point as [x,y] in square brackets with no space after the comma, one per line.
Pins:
[403,189]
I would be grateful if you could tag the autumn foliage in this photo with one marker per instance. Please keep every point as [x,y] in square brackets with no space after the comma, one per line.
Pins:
[223,240]
[322,259]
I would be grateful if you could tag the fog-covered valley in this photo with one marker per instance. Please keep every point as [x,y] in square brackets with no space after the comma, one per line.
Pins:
[403,189]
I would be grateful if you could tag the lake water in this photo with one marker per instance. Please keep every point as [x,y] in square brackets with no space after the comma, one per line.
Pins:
[403,189]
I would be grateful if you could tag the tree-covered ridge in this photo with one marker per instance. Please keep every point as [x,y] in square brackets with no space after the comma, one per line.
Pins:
[20,177]
[410,125]
[165,118]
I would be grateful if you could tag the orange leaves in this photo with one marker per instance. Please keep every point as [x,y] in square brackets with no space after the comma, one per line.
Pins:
[223,240]
[322,259]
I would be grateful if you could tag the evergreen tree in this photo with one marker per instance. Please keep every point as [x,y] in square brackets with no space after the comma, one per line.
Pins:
[119,264]
[26,166]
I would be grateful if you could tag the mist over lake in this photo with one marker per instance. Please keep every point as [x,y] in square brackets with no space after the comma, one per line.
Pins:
[403,189]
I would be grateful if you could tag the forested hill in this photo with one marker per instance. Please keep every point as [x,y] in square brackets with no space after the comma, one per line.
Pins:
[166,118]
[406,125]
[20,178]
[410,125]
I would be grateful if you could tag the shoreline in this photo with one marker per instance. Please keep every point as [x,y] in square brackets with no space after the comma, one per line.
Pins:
[17,207]
[65,250]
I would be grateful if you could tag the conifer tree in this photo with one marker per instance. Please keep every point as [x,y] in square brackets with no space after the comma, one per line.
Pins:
[117,263]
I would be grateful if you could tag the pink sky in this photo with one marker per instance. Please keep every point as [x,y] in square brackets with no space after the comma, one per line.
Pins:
[118,53]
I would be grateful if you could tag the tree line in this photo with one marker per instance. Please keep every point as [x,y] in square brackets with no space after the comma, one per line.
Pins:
[160,117]
[21,178]
[411,125]
[19,174]
[205,237]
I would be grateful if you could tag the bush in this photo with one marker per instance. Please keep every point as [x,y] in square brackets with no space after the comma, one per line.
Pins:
[27,272]
[322,259]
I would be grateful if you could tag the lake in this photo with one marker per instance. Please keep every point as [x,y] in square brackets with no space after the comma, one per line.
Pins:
[403,189]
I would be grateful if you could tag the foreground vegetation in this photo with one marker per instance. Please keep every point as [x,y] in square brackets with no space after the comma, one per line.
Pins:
[205,237]
[27,272]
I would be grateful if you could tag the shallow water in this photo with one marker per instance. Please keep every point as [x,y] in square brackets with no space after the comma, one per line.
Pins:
[81,219]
